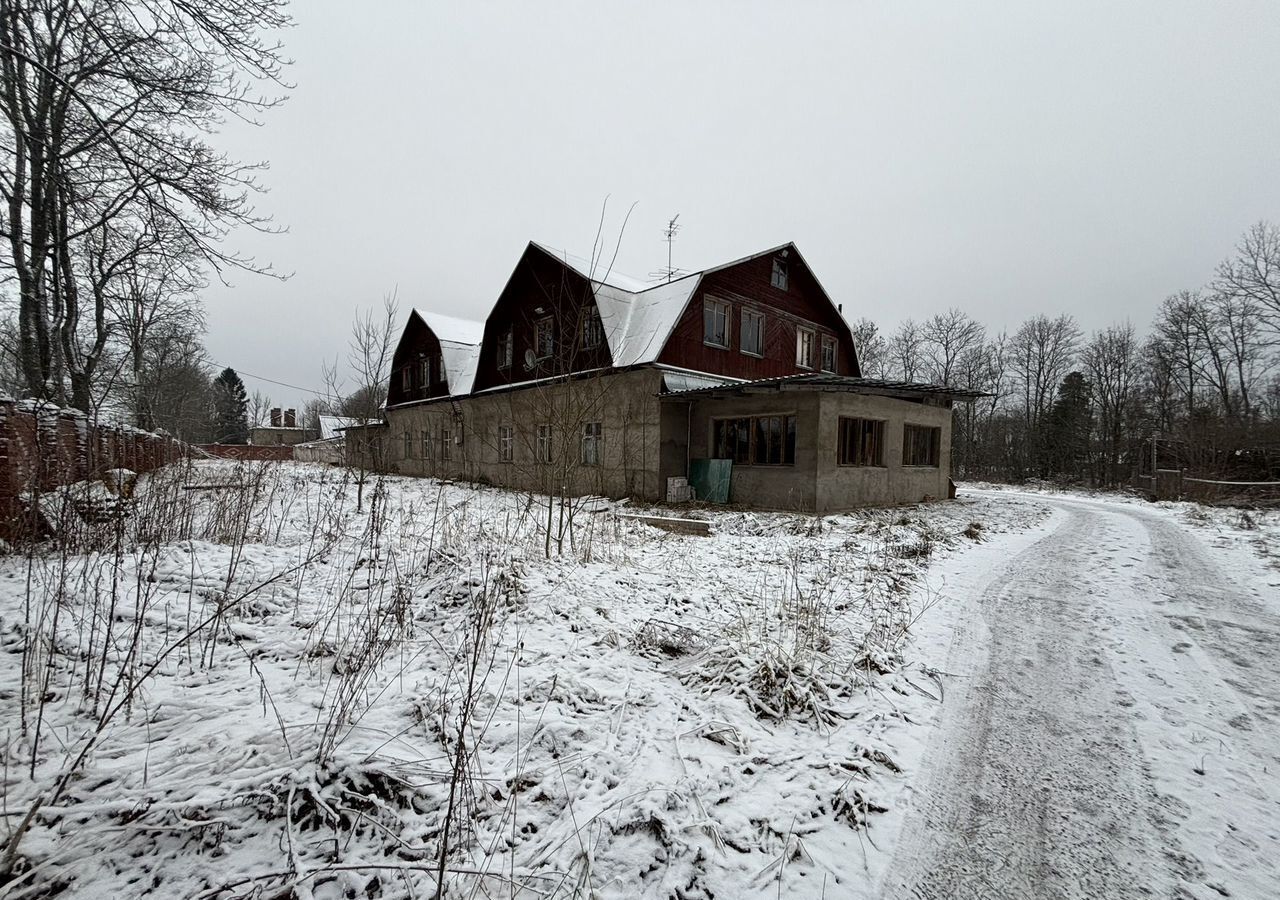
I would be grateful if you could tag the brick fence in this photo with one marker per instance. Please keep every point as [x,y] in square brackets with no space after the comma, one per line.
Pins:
[43,446]
[255,452]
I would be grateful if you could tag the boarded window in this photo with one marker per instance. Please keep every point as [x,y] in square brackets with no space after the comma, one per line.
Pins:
[756,441]
[920,445]
[861,442]
[804,348]
[543,446]
[828,353]
[779,277]
[715,323]
[592,328]
[544,337]
[752,337]
[592,442]
[506,349]
[506,443]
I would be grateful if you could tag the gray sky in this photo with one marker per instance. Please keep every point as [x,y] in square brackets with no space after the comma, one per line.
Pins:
[1006,158]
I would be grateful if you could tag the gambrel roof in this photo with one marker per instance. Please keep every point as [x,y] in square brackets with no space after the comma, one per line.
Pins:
[639,317]
[459,347]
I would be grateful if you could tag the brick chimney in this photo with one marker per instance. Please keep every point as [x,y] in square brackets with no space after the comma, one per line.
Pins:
[275,417]
[290,418]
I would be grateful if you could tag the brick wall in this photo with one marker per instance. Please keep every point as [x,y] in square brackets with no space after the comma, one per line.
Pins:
[254,452]
[43,446]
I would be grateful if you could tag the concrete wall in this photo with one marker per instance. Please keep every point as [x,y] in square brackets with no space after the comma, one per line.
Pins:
[626,405]
[817,482]
[768,487]
[845,487]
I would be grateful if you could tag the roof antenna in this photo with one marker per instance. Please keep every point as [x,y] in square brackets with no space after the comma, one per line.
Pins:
[670,237]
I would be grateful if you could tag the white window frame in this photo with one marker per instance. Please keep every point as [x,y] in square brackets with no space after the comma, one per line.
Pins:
[506,443]
[425,437]
[829,341]
[757,316]
[424,369]
[780,275]
[446,444]
[543,447]
[592,453]
[805,339]
[724,309]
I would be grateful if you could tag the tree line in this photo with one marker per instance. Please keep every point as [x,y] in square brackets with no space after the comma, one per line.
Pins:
[1203,379]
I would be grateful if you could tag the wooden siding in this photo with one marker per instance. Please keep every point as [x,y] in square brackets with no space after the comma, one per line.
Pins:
[748,285]
[416,343]
[540,287]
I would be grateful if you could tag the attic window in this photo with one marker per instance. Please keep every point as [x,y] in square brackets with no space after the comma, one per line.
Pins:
[779,277]
[544,337]
[592,328]
[506,346]
[715,323]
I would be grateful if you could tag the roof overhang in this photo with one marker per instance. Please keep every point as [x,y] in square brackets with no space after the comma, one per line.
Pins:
[906,390]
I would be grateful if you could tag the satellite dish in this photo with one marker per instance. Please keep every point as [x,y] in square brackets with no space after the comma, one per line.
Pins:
[530,359]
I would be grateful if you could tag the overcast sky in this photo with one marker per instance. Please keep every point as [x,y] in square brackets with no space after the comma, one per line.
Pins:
[1007,158]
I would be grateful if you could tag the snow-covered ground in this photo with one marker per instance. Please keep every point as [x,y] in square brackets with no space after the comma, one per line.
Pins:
[252,689]
[286,680]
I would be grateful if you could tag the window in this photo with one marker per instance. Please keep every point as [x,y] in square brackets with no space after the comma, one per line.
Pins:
[544,337]
[408,445]
[506,349]
[828,353]
[424,375]
[506,443]
[406,379]
[715,323]
[751,340]
[804,348]
[779,277]
[592,439]
[861,442]
[446,445]
[426,443]
[543,447]
[756,441]
[920,445]
[592,328]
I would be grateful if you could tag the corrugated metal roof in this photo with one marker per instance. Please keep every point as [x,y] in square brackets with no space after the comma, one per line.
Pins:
[825,381]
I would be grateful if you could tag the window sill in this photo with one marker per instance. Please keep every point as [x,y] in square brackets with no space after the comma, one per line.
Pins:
[919,465]
[716,346]
[752,355]
[881,466]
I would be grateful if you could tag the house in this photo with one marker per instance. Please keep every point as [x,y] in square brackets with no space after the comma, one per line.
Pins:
[584,381]
[330,447]
[284,430]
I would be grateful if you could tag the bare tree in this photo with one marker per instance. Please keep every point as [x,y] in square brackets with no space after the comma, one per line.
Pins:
[369,353]
[945,339]
[1113,363]
[106,106]
[1041,354]
[1253,274]
[871,349]
[906,349]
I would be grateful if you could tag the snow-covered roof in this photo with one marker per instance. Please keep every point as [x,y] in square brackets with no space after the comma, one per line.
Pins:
[459,348]
[331,426]
[637,316]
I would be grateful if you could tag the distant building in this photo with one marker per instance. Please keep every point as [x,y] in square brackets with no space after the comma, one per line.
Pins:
[283,430]
[741,379]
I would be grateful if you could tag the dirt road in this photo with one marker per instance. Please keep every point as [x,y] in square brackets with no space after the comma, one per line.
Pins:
[1112,729]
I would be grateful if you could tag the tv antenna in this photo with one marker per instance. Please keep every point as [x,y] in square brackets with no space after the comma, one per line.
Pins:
[669,235]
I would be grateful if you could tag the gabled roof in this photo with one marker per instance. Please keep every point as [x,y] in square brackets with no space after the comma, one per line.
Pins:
[459,348]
